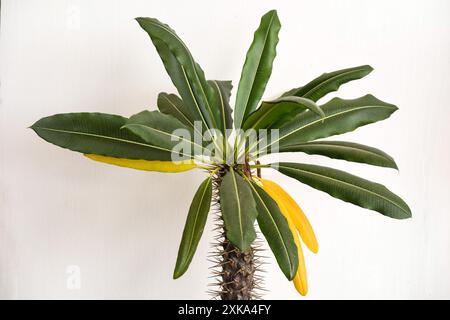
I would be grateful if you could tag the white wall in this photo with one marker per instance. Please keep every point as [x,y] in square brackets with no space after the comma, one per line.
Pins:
[122,227]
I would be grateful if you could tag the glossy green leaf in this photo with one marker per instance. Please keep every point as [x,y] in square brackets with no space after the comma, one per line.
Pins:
[185,73]
[97,133]
[177,75]
[257,67]
[173,105]
[341,116]
[276,230]
[343,150]
[329,82]
[193,229]
[222,90]
[238,210]
[274,114]
[347,187]
[162,129]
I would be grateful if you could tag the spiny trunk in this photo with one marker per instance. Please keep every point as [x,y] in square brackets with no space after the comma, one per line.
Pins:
[235,270]
[238,270]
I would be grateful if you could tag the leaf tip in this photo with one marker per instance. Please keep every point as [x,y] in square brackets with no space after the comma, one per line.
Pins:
[177,274]
[407,215]
[394,166]
[162,94]
[291,275]
[142,20]
[369,68]
[138,20]
[272,15]
[34,125]
[408,212]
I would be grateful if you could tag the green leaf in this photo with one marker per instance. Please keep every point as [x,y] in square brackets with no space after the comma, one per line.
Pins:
[193,229]
[329,82]
[238,210]
[173,105]
[161,129]
[273,114]
[257,67]
[347,187]
[276,230]
[185,73]
[97,133]
[177,75]
[345,151]
[341,116]
[222,90]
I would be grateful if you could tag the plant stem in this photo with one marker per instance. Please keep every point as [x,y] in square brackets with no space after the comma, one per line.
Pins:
[238,271]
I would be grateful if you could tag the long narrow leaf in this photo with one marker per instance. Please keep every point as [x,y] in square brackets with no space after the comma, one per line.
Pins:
[222,90]
[193,229]
[185,73]
[345,151]
[329,82]
[273,114]
[347,187]
[97,133]
[173,105]
[276,230]
[257,67]
[238,210]
[159,128]
[341,116]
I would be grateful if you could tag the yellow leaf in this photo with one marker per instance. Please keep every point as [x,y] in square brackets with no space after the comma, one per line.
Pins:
[300,279]
[297,215]
[160,166]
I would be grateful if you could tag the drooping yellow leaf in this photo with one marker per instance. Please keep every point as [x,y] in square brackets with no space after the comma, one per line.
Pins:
[297,215]
[154,165]
[300,280]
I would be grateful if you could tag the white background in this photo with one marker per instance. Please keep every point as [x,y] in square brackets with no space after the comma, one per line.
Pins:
[122,227]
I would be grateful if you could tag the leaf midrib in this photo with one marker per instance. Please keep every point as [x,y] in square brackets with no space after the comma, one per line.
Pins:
[163,132]
[238,203]
[192,64]
[196,218]
[193,97]
[273,108]
[323,119]
[176,108]
[222,106]
[259,63]
[349,184]
[103,137]
[320,85]
[313,144]
[264,116]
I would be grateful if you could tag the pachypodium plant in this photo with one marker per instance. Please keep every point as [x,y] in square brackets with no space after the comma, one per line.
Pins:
[195,129]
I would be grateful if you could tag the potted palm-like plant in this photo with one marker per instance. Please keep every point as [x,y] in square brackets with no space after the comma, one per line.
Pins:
[195,130]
